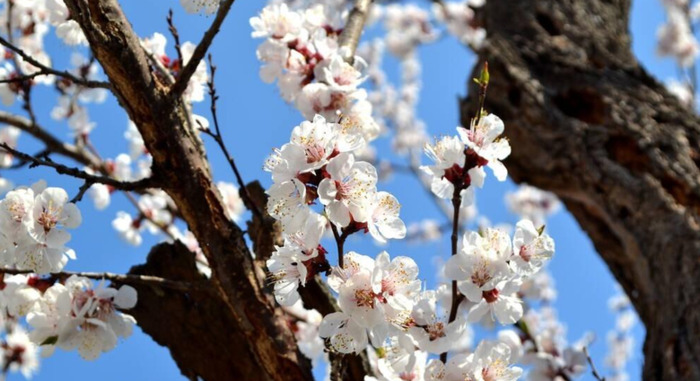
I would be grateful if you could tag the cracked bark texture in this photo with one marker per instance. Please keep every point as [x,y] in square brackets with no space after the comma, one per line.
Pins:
[264,347]
[197,328]
[587,122]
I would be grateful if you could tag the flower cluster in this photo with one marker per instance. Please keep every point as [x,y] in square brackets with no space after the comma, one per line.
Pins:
[459,20]
[381,300]
[301,52]
[68,314]
[546,350]
[490,268]
[318,166]
[376,297]
[407,27]
[490,361]
[76,315]
[31,21]
[532,203]
[73,98]
[620,340]
[32,228]
[675,38]
[459,161]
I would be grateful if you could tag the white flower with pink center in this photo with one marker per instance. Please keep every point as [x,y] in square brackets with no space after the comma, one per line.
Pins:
[532,248]
[396,281]
[278,22]
[358,299]
[489,362]
[348,190]
[498,303]
[287,204]
[432,332]
[448,155]
[128,228]
[485,140]
[340,75]
[16,213]
[287,271]
[344,334]
[478,266]
[384,222]
[300,258]
[76,315]
[317,138]
[19,353]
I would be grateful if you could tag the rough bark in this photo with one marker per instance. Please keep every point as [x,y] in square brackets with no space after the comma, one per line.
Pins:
[265,232]
[265,345]
[587,122]
[197,327]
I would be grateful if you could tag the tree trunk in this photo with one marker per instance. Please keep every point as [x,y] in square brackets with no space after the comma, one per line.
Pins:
[588,123]
[264,345]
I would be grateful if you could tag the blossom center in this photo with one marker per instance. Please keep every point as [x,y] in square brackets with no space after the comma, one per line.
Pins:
[491,295]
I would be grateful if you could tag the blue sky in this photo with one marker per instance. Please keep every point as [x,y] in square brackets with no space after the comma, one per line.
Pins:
[255,120]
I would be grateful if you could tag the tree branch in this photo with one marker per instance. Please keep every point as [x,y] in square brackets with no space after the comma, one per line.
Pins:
[594,371]
[264,346]
[51,142]
[131,279]
[149,182]
[219,139]
[352,31]
[200,51]
[46,70]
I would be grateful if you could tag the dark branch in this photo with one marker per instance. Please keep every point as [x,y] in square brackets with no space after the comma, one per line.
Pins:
[175,34]
[145,280]
[77,173]
[51,142]
[201,50]
[46,70]
[220,141]
[594,371]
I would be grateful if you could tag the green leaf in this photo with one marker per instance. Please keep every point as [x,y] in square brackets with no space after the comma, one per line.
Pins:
[540,230]
[484,76]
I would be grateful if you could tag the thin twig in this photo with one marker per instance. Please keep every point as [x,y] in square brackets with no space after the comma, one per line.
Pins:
[77,173]
[22,78]
[81,192]
[146,280]
[200,51]
[46,70]
[218,138]
[148,216]
[51,142]
[176,35]
[456,295]
[26,86]
[340,243]
[594,371]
